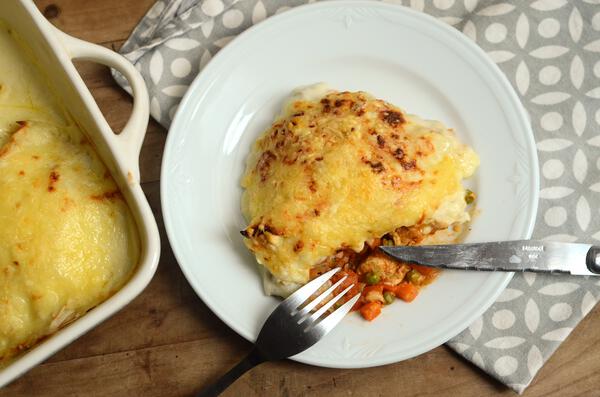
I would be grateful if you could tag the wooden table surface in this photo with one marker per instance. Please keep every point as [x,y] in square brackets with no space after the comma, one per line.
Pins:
[168,343]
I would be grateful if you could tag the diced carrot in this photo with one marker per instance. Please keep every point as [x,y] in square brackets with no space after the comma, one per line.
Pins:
[427,271]
[371,310]
[406,291]
[373,288]
[373,293]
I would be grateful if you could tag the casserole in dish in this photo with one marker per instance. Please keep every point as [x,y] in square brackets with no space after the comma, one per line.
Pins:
[110,265]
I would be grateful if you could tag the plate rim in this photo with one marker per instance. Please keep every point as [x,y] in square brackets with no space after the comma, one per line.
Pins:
[529,143]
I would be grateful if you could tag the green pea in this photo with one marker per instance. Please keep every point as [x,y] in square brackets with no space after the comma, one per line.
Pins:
[469,196]
[414,277]
[372,278]
[388,297]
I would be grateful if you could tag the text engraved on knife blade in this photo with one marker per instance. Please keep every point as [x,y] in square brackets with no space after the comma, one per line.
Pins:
[532,251]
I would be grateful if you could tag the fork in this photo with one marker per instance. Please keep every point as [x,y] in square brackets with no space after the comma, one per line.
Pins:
[291,328]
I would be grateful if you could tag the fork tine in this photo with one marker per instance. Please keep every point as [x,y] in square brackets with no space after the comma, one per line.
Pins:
[312,304]
[327,324]
[305,292]
[316,315]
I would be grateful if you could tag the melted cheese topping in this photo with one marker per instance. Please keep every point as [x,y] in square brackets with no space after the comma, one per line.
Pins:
[68,241]
[339,171]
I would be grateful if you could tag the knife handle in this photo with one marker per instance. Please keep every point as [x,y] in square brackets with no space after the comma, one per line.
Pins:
[592,259]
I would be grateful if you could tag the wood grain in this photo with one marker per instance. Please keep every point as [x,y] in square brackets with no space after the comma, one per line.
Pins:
[167,342]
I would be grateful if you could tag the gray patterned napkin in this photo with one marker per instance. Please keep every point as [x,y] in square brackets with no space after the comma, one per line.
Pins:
[549,50]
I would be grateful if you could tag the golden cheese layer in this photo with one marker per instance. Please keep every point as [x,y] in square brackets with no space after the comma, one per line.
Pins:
[68,241]
[345,168]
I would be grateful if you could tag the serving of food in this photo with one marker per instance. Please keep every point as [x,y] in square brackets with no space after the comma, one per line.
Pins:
[339,174]
[68,240]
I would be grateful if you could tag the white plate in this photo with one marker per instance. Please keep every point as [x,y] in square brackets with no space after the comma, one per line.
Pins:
[405,57]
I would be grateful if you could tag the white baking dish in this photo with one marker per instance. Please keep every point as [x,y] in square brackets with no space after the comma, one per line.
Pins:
[54,51]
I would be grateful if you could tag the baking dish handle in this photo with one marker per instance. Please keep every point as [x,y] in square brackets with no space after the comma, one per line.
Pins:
[132,135]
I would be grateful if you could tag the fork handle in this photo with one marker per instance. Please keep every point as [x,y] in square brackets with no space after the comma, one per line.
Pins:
[250,361]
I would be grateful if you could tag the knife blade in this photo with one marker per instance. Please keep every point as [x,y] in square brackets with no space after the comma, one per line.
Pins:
[508,256]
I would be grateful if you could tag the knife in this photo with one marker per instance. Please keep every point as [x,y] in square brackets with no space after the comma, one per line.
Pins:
[507,256]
